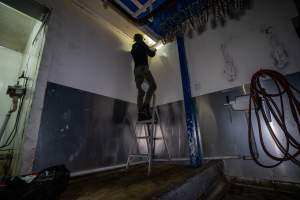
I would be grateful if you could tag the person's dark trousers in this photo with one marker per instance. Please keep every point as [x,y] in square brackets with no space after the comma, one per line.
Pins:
[141,74]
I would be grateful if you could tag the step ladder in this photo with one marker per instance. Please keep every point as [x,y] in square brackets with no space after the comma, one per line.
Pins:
[150,135]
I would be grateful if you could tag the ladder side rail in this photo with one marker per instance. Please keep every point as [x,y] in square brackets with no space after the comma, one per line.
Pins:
[149,149]
[163,135]
[153,128]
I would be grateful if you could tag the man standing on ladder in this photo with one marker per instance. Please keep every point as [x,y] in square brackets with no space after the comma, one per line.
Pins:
[140,52]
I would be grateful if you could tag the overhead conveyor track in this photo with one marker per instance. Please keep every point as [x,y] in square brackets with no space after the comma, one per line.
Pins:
[172,18]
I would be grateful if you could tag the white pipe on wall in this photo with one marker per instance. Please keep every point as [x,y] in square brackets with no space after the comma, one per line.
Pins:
[223,157]
[204,158]
[103,169]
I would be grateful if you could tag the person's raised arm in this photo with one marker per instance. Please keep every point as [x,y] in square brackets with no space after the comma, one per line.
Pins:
[150,52]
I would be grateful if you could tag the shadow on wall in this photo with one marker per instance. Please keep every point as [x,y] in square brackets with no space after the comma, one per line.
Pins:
[173,122]
[120,109]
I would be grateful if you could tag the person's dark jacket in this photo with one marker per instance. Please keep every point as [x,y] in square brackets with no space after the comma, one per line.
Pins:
[140,52]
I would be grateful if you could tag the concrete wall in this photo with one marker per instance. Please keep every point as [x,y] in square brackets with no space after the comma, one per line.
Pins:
[78,53]
[13,64]
[249,48]
[90,54]
[30,66]
[85,52]
[10,62]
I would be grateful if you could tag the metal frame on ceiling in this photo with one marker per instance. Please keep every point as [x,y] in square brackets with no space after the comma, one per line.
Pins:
[137,12]
[140,8]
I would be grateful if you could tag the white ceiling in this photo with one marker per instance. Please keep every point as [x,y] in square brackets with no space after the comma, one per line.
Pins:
[15,28]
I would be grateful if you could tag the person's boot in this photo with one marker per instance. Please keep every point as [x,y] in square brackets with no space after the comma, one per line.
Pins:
[155,115]
[143,116]
[148,113]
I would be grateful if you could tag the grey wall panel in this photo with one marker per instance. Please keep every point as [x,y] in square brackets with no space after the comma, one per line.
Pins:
[217,130]
[86,131]
[173,123]
[82,130]
[222,136]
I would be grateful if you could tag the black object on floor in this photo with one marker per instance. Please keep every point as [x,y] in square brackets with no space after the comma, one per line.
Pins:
[46,185]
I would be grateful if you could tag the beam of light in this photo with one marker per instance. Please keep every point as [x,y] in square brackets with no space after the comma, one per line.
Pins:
[244,89]
[157,45]
[271,141]
[150,41]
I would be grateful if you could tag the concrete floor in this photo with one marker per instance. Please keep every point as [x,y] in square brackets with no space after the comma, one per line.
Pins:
[134,184]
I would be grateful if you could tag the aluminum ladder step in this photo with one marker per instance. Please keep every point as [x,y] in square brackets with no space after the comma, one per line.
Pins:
[138,155]
[146,137]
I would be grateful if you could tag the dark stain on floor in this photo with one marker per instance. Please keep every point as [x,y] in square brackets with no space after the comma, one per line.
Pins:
[133,184]
[136,185]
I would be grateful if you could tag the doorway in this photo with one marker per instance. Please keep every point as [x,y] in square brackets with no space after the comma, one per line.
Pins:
[22,40]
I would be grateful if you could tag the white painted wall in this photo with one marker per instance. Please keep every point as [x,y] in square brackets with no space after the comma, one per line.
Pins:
[249,47]
[91,55]
[10,63]
[166,71]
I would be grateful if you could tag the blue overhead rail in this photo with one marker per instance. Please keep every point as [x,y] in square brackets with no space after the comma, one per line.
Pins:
[172,18]
[148,6]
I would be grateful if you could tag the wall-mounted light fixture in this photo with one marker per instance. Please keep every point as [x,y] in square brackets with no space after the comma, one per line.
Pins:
[157,45]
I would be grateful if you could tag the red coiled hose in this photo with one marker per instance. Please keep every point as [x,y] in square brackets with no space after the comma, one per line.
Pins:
[290,147]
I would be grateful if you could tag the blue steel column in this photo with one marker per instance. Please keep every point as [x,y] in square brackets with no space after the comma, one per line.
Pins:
[190,109]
